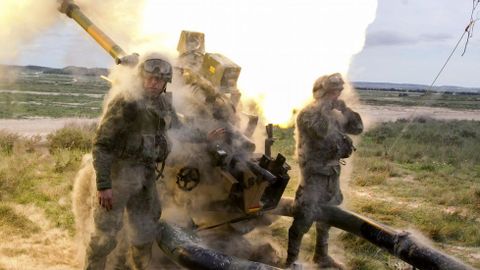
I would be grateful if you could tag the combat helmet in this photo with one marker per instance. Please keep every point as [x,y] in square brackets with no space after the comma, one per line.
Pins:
[158,67]
[327,83]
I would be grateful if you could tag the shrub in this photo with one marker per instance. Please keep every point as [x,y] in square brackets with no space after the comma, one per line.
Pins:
[7,141]
[11,222]
[72,138]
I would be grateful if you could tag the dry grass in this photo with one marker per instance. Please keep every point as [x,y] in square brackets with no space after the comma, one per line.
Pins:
[416,186]
[429,182]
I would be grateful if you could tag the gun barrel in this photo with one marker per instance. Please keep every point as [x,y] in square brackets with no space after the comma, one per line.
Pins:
[183,248]
[69,8]
[400,244]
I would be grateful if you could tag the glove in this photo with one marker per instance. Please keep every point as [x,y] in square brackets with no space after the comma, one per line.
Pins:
[340,105]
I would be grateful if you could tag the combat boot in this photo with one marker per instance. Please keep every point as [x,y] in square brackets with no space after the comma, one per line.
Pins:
[294,242]
[329,263]
[323,260]
[95,261]
[121,263]
[141,256]
[97,251]
[290,260]
[98,264]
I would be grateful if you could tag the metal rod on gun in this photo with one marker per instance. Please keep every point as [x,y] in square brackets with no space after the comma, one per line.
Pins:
[261,171]
[269,140]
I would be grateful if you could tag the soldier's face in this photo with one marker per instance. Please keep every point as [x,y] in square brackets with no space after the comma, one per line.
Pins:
[333,94]
[153,85]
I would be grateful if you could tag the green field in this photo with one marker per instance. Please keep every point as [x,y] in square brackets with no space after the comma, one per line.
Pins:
[428,179]
[31,94]
[52,95]
[431,99]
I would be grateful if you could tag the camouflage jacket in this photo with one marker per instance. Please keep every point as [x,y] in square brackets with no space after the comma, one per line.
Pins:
[132,129]
[322,139]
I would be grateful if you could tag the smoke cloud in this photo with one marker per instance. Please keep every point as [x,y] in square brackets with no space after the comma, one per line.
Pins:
[21,21]
[282,46]
[118,19]
[83,199]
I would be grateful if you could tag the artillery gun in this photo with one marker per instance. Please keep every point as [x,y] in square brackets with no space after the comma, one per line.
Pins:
[252,184]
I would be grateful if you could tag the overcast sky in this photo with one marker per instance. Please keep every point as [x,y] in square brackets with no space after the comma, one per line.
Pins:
[411,39]
[407,43]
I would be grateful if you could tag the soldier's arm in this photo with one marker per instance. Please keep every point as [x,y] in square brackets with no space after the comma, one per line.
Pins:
[112,124]
[354,124]
[315,124]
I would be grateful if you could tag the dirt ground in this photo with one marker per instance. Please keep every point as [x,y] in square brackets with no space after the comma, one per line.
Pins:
[39,126]
[15,253]
[370,114]
[378,114]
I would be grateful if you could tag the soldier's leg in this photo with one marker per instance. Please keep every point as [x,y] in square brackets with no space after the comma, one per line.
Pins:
[321,245]
[143,210]
[321,257]
[108,223]
[300,225]
[302,221]
[103,239]
[119,261]
[332,195]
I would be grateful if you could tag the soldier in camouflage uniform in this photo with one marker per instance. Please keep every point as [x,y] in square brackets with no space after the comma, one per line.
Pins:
[129,143]
[322,141]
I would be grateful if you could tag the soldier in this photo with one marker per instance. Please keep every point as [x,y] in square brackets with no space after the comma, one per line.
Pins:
[322,143]
[128,144]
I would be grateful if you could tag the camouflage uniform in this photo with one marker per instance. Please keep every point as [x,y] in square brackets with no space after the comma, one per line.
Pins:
[322,142]
[129,142]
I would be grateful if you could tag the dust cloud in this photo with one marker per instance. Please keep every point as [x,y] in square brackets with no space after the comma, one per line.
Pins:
[22,21]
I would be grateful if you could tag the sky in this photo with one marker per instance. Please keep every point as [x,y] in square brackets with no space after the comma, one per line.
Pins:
[408,42]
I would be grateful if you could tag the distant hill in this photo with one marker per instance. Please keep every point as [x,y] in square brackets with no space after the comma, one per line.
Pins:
[384,86]
[70,70]
[412,87]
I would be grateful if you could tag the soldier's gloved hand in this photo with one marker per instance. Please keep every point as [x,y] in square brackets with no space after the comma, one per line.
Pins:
[105,199]
[340,105]
[328,105]
[216,134]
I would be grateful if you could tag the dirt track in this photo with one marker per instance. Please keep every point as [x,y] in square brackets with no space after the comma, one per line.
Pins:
[392,113]
[39,126]
[370,114]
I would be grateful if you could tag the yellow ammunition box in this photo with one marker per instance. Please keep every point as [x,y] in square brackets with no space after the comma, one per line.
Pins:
[191,42]
[220,71]
[253,191]
[227,181]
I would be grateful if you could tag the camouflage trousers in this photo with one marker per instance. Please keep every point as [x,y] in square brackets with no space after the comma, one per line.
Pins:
[134,193]
[315,190]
